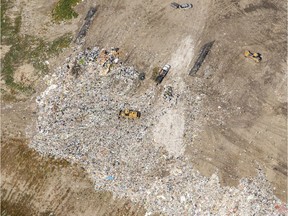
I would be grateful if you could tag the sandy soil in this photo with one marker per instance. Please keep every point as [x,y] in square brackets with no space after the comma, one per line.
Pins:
[169,131]
[242,120]
[33,185]
[4,49]
[51,187]
[247,103]
[25,74]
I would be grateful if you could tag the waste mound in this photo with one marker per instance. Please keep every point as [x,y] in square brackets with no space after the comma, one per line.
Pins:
[78,121]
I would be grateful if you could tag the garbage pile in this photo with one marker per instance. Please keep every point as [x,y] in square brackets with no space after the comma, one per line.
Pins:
[78,120]
[168,93]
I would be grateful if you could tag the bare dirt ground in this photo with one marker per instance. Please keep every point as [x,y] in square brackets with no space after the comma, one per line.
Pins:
[252,99]
[33,185]
[242,118]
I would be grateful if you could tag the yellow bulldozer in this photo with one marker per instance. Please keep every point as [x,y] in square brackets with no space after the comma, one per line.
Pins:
[255,56]
[130,114]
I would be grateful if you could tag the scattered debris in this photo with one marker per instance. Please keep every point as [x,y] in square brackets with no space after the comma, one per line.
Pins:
[88,20]
[110,178]
[142,76]
[168,93]
[203,53]
[77,122]
[75,71]
[163,72]
[182,6]
[255,56]
[106,59]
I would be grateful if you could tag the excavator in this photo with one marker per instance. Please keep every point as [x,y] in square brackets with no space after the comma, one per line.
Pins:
[255,56]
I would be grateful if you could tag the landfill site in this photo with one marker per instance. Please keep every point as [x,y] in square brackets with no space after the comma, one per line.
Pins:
[154,108]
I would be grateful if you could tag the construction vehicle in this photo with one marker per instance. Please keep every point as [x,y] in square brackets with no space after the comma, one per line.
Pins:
[130,114]
[255,56]
[162,73]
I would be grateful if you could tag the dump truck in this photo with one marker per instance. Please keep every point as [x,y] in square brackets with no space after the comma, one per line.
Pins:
[162,73]
[255,56]
[130,114]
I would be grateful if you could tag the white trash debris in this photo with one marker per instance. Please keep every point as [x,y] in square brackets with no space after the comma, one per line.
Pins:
[78,121]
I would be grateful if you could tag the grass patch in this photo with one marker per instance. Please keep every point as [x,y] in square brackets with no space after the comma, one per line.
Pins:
[64,10]
[82,61]
[25,48]
[32,50]
[8,97]
[9,29]
[44,50]
[155,73]
[60,43]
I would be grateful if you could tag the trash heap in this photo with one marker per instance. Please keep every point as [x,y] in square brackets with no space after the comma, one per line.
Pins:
[168,93]
[78,120]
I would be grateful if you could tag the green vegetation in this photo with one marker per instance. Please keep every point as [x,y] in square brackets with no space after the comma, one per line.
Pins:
[9,30]
[25,48]
[64,11]
[44,50]
[32,50]
[82,61]
[155,73]
[8,97]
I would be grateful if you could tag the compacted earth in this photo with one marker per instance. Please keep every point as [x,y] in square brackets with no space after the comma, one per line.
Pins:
[213,143]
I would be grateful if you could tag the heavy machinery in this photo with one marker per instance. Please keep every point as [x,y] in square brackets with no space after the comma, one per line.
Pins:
[255,56]
[162,73]
[130,114]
